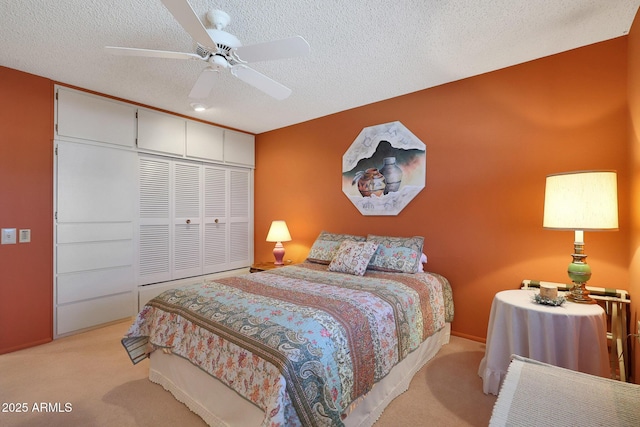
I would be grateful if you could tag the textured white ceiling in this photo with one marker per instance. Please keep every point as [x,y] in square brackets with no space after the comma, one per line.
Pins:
[362,51]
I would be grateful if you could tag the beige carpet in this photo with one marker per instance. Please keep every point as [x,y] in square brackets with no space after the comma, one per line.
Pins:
[88,380]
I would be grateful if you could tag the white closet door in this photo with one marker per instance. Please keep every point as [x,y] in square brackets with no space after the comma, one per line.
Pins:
[95,210]
[240,214]
[187,220]
[94,183]
[154,263]
[195,219]
[215,219]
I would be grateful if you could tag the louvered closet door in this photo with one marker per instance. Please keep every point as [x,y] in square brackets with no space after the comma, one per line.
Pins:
[240,214]
[215,219]
[194,219]
[154,264]
[187,248]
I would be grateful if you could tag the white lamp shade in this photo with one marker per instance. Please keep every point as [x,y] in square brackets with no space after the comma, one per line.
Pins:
[582,200]
[278,232]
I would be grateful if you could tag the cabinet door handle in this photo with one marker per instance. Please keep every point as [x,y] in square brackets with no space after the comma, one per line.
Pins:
[188,221]
[216,220]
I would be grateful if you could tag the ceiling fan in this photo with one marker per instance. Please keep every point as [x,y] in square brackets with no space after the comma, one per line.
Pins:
[223,50]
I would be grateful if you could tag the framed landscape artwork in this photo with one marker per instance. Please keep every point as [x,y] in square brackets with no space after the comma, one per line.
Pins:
[384,169]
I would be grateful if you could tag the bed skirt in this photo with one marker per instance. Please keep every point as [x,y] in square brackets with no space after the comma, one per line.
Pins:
[218,405]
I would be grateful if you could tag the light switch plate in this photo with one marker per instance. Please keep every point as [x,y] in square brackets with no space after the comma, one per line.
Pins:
[24,236]
[8,236]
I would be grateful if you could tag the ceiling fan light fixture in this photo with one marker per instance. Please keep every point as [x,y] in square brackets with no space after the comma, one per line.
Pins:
[224,39]
[219,61]
[198,106]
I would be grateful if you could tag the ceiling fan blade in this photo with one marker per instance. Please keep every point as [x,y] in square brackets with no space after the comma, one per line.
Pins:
[260,81]
[131,51]
[276,49]
[202,88]
[188,19]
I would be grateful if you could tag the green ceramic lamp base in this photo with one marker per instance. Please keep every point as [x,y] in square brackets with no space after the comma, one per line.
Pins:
[579,273]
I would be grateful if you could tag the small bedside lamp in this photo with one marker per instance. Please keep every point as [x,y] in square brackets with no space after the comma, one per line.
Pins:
[579,201]
[278,233]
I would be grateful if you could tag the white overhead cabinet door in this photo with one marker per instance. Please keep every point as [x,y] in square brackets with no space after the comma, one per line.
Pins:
[205,141]
[92,118]
[161,132]
[239,148]
[95,242]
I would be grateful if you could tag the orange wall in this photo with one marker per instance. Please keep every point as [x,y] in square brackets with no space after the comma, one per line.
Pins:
[634,143]
[491,140]
[26,201]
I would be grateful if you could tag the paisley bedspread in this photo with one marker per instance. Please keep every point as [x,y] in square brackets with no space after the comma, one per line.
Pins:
[300,342]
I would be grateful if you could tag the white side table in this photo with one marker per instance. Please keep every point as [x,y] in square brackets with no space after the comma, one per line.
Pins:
[615,303]
[572,336]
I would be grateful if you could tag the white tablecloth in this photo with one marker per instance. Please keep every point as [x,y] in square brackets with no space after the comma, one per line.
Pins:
[572,336]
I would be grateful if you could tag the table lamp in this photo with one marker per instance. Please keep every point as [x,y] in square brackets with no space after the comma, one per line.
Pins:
[278,233]
[579,201]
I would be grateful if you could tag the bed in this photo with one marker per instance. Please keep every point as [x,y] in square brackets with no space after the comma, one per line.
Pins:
[330,341]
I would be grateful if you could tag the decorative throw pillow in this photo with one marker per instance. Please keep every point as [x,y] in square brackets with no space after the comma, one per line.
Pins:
[353,257]
[327,244]
[396,254]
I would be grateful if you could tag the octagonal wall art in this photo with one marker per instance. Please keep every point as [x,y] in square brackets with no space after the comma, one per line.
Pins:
[384,169]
